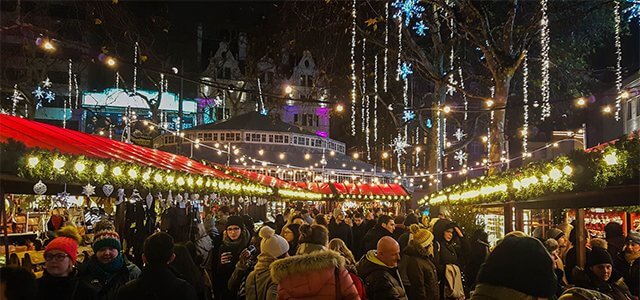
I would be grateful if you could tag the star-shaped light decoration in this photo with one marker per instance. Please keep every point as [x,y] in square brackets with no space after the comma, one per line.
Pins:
[408,115]
[399,145]
[459,134]
[460,156]
[633,11]
[88,190]
[405,70]
[47,83]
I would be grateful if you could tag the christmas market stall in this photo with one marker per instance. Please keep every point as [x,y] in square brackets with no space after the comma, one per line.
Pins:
[369,196]
[587,188]
[52,176]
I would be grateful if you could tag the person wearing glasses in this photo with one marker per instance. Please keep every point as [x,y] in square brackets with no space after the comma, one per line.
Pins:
[60,280]
[236,238]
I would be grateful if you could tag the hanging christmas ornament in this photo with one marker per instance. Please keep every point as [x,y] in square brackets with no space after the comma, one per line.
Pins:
[170,198]
[460,156]
[107,189]
[88,190]
[459,134]
[39,188]
[120,196]
[135,196]
[149,199]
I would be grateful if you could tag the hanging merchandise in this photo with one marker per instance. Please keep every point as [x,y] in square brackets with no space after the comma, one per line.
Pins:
[120,196]
[88,190]
[39,188]
[107,189]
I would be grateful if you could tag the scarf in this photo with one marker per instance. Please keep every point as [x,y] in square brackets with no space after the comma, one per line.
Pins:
[104,271]
[241,241]
[264,261]
[631,257]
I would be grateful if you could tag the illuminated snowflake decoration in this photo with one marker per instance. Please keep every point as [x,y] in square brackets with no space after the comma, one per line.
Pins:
[459,134]
[420,28]
[399,145]
[264,112]
[408,9]
[50,96]
[38,93]
[408,115]
[460,156]
[405,70]
[88,190]
[633,11]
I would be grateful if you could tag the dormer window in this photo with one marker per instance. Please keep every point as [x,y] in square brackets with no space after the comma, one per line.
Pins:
[306,80]
[225,73]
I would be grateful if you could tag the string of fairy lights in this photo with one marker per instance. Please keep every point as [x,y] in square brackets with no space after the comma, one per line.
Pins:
[525,100]
[544,54]
[354,15]
[618,46]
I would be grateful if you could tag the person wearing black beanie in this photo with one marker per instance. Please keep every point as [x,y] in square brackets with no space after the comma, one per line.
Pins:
[600,276]
[518,268]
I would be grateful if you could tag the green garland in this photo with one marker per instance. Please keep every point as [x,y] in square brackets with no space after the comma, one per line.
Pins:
[616,164]
[36,164]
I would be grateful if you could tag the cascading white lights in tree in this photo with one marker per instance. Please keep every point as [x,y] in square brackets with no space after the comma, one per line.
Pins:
[354,14]
[366,121]
[117,80]
[77,90]
[399,66]
[64,101]
[375,100]
[618,45]
[525,100]
[544,41]
[14,99]
[464,96]
[135,68]
[386,47]
[492,115]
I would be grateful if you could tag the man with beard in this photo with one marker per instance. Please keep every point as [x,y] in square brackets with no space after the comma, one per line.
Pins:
[358,230]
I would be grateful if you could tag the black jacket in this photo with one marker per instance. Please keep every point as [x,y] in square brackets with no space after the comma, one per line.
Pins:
[381,282]
[64,288]
[358,233]
[221,273]
[370,241]
[157,283]
[629,268]
[419,272]
[107,286]
[614,288]
[342,231]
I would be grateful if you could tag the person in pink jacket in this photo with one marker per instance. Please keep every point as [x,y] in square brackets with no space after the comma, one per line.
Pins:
[318,275]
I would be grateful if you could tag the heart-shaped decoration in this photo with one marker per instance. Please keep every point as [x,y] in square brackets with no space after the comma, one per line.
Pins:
[40,188]
[107,189]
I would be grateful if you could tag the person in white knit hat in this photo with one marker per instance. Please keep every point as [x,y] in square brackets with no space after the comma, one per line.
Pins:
[259,284]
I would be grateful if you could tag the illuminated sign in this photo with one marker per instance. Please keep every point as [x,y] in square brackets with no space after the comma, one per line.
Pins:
[119,98]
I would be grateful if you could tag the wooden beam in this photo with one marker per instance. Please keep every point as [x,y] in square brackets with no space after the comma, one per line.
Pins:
[519,219]
[580,239]
[508,217]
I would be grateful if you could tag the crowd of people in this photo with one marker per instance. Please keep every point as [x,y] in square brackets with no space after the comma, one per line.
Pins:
[346,254]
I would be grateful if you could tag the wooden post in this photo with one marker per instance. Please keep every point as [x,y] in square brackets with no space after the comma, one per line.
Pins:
[508,218]
[519,219]
[4,223]
[581,241]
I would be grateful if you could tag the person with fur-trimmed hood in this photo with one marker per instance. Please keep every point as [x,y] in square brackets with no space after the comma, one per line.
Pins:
[318,275]
[379,271]
[628,263]
[417,269]
[108,269]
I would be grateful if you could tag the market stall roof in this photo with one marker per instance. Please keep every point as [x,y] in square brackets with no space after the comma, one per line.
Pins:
[39,135]
[260,178]
[370,191]
[322,188]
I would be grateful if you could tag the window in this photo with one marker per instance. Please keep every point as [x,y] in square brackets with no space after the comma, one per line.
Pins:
[222,137]
[271,138]
[200,135]
[247,137]
[296,119]
[295,140]
[316,120]
[629,110]
[215,137]
[306,80]
[264,138]
[286,139]
[279,139]
[208,136]
[638,107]
[238,137]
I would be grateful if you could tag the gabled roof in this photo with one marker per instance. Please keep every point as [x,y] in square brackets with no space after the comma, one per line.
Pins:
[252,121]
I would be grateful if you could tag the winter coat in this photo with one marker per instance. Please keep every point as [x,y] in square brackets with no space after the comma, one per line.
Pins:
[403,241]
[614,288]
[419,272]
[381,281]
[570,262]
[628,265]
[358,233]
[492,292]
[615,245]
[372,237]
[479,253]
[259,285]
[313,276]
[157,282]
[307,248]
[221,273]
[64,288]
[107,284]
[341,231]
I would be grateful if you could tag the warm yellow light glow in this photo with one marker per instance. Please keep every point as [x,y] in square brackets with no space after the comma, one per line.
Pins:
[80,167]
[606,109]
[339,108]
[446,109]
[281,156]
[100,169]
[567,170]
[581,102]
[117,171]
[261,152]
[288,89]
[157,178]
[33,161]
[356,155]
[611,159]
[489,102]
[133,173]
[180,181]
[58,163]
[385,155]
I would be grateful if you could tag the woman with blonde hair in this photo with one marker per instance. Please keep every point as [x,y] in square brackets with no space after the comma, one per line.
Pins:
[339,246]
